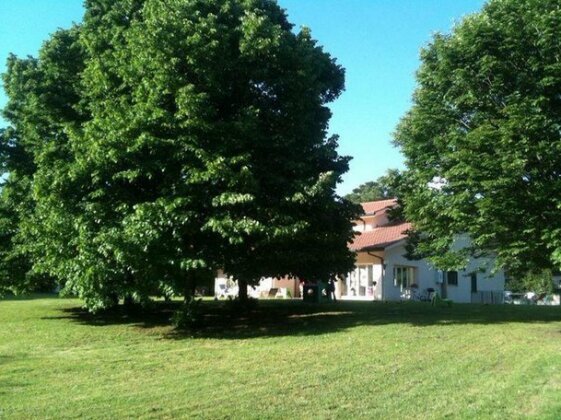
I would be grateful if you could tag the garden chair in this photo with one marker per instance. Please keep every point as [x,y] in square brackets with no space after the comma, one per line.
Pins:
[222,291]
[427,295]
[438,301]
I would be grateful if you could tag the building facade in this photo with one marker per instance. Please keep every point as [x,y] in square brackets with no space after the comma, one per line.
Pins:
[383,272]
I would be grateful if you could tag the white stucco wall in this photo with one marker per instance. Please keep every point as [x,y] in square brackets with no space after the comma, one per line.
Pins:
[368,223]
[427,277]
[221,279]
[378,271]
[265,284]
[483,267]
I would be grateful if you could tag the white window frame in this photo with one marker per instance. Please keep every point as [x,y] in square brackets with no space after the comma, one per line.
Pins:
[404,276]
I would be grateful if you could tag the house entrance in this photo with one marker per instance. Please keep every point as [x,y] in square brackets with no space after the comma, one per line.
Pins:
[362,282]
[473,282]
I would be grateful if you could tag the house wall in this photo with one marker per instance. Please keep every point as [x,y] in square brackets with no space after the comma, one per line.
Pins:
[368,223]
[265,284]
[427,277]
[369,258]
[363,260]
[557,281]
[288,284]
[482,267]
[486,281]
[222,280]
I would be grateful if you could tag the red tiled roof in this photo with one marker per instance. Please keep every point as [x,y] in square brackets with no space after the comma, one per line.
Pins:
[380,237]
[372,207]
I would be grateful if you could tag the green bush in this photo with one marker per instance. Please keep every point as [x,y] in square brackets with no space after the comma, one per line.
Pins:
[533,281]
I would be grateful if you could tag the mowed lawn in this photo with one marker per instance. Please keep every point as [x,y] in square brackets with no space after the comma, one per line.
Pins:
[288,359]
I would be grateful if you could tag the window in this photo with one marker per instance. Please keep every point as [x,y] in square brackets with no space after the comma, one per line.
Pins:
[403,276]
[452,278]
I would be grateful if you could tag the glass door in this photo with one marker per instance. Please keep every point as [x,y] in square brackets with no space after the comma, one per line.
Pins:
[360,282]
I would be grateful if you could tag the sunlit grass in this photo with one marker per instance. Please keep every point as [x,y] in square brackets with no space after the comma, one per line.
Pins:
[285,360]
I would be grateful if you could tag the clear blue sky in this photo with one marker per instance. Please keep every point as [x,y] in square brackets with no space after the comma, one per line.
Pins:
[377,41]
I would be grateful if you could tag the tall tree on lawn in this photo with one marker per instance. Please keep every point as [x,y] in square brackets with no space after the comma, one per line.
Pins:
[482,140]
[187,136]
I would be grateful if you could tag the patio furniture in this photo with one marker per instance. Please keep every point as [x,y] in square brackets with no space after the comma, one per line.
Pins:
[438,301]
[427,295]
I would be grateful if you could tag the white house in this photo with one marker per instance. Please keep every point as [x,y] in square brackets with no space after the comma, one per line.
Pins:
[384,273]
[284,287]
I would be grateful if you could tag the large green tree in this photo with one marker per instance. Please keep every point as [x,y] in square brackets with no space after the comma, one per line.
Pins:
[482,140]
[183,136]
[15,204]
[40,99]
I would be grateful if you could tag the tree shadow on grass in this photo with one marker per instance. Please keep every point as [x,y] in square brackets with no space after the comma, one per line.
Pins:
[159,315]
[32,296]
[292,318]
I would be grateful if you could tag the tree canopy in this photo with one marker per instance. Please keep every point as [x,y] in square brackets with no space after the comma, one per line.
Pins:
[165,140]
[386,186]
[482,140]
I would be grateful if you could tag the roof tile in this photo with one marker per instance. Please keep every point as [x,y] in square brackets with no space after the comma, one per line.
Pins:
[380,237]
[372,207]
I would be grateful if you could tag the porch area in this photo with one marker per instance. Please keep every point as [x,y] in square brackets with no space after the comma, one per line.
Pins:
[365,281]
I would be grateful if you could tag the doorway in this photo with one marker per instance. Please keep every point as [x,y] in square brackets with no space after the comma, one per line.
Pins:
[473,277]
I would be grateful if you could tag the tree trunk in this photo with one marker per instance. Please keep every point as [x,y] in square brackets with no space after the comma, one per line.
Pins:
[114,298]
[242,290]
[128,301]
[188,288]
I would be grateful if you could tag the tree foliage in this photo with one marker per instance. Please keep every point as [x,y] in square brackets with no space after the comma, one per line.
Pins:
[385,187]
[482,139]
[169,139]
[539,282]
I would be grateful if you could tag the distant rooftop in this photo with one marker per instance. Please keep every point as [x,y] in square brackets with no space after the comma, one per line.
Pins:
[382,236]
[373,207]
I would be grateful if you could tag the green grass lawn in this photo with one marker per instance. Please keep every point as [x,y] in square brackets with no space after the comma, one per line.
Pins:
[287,359]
